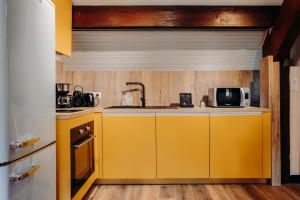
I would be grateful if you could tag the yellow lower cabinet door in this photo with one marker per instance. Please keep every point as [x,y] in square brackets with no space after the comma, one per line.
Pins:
[182,146]
[129,150]
[236,146]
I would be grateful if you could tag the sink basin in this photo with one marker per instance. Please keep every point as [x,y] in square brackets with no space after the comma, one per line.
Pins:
[140,107]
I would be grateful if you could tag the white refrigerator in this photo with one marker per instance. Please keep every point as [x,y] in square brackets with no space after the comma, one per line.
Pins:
[27,100]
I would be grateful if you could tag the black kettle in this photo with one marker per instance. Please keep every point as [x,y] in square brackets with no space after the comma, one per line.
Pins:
[77,96]
[88,100]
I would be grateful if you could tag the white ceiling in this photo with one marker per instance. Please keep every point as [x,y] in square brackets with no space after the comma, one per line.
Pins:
[166,50]
[178,2]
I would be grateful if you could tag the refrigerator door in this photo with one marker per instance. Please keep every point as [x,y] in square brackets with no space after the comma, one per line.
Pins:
[3,81]
[31,178]
[31,82]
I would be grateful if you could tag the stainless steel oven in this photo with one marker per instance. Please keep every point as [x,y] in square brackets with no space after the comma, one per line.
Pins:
[82,155]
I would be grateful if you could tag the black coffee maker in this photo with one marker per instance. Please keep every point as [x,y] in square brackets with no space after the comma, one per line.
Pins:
[63,100]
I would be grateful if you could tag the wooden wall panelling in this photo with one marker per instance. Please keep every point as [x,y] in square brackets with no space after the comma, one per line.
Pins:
[63,76]
[181,82]
[162,87]
[85,79]
[270,98]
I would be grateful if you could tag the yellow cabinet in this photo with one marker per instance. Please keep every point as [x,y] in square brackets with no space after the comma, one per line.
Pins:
[236,146]
[182,146]
[98,144]
[63,14]
[129,150]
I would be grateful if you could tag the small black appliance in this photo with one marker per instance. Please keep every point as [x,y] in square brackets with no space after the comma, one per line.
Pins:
[63,100]
[186,100]
[77,96]
[88,100]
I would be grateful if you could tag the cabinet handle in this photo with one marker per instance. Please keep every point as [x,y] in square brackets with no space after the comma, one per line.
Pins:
[19,177]
[18,145]
[80,131]
[88,128]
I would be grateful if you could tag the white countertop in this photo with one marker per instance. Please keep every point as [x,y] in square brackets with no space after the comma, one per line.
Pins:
[209,110]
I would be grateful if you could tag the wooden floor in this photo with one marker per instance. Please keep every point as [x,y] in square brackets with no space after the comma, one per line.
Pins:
[194,192]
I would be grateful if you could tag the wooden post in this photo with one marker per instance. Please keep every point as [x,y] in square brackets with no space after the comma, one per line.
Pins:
[270,98]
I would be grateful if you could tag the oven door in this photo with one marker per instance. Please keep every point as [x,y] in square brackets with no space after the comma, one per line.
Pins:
[82,162]
[229,97]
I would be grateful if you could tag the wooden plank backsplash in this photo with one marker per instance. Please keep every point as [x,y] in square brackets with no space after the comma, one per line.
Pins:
[162,87]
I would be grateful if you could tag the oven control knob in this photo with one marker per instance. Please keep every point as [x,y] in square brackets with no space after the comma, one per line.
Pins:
[80,131]
[88,128]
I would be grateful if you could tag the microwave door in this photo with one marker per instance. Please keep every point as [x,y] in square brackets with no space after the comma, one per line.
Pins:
[227,97]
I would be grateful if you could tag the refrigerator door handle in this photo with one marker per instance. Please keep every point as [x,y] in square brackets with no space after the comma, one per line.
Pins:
[19,177]
[23,144]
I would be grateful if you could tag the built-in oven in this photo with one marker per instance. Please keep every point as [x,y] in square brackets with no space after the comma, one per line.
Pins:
[82,155]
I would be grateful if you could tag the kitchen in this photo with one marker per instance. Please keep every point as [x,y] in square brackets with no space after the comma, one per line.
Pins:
[152,100]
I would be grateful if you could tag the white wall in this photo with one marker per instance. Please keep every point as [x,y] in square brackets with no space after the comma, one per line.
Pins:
[166,50]
[295,52]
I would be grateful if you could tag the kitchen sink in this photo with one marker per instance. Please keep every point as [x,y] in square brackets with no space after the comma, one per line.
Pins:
[140,107]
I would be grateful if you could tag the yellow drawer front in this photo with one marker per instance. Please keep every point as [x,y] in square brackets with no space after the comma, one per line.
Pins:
[129,150]
[236,146]
[182,146]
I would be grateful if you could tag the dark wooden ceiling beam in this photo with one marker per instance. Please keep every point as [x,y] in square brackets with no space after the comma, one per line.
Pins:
[182,17]
[285,31]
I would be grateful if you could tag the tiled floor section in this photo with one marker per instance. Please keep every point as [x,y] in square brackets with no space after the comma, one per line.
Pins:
[194,192]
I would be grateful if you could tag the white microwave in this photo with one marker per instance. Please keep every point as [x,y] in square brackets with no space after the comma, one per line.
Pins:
[229,97]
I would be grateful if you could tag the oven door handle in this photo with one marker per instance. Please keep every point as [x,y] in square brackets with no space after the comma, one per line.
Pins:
[77,146]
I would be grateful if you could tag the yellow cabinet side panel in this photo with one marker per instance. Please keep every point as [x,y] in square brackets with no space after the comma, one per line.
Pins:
[267,149]
[236,146]
[182,146]
[98,144]
[63,158]
[129,150]
[63,14]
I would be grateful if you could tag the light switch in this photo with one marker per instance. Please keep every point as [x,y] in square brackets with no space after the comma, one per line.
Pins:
[294,85]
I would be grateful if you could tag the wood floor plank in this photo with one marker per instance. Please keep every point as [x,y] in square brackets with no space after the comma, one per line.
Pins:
[194,192]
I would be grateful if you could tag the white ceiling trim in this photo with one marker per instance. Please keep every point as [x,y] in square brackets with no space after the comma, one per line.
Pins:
[159,40]
[178,2]
[165,60]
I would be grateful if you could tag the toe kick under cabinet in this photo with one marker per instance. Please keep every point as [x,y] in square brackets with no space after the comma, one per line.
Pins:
[158,146]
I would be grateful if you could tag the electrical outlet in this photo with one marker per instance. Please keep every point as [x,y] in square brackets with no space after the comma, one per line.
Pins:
[97,94]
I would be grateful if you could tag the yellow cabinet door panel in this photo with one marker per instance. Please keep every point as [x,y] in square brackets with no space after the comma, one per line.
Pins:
[63,14]
[236,146]
[182,146]
[129,150]
[98,144]
[267,146]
